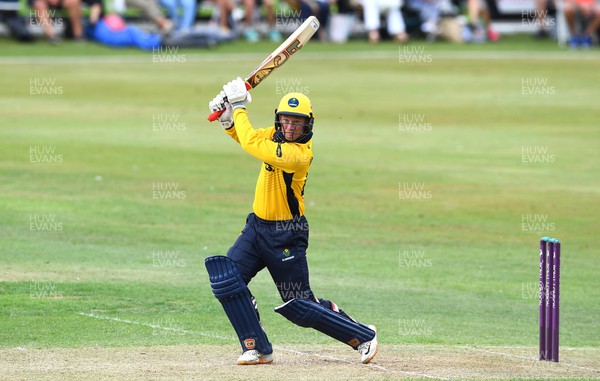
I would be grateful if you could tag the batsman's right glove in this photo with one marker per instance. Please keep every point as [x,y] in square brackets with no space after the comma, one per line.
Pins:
[217,104]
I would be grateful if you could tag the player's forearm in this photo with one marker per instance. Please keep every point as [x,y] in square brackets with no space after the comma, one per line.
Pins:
[244,130]
[250,140]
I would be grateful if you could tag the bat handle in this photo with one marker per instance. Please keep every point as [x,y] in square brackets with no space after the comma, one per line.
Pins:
[215,114]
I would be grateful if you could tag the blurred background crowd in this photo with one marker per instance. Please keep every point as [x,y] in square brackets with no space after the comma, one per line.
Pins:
[203,23]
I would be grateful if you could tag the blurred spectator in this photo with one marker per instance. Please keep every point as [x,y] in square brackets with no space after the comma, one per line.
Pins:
[226,8]
[451,26]
[184,20]
[340,22]
[16,24]
[429,12]
[375,9]
[96,11]
[322,10]
[479,24]
[250,32]
[151,11]
[591,14]
[112,30]
[541,16]
[43,16]
[317,8]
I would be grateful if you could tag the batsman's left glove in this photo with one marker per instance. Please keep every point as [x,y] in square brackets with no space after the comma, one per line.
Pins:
[219,103]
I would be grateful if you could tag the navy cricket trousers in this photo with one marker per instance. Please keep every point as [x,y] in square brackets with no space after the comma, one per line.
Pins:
[280,246]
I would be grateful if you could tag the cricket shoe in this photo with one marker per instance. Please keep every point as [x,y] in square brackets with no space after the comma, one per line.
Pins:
[575,42]
[493,35]
[254,357]
[251,35]
[369,349]
[586,41]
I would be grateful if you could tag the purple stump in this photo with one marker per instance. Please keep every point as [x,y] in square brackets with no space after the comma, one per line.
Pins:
[549,289]
[555,299]
[543,242]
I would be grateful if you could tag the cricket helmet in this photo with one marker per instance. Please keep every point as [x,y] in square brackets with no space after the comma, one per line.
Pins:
[296,104]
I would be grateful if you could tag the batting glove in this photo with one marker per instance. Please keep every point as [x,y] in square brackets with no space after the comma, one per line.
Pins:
[237,94]
[219,103]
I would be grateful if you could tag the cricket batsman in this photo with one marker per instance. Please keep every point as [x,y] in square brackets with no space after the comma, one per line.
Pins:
[276,232]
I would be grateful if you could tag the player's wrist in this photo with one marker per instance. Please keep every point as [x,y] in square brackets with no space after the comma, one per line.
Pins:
[238,110]
[227,124]
[238,105]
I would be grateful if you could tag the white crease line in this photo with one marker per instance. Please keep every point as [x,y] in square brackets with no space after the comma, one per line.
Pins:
[533,359]
[368,365]
[156,326]
[501,353]
[529,347]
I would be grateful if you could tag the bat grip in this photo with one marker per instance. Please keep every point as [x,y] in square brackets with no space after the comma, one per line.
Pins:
[215,114]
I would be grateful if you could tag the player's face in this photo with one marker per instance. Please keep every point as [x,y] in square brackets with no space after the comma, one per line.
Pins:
[292,126]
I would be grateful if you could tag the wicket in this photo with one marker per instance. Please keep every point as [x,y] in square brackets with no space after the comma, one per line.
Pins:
[549,298]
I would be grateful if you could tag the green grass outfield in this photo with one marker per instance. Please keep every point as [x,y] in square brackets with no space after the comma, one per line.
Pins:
[505,150]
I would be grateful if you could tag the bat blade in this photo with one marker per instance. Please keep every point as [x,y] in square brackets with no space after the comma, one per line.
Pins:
[279,56]
[288,48]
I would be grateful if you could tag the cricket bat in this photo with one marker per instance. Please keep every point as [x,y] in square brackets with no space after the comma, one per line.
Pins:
[279,56]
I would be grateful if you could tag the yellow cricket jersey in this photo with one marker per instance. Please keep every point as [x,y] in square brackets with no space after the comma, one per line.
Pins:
[279,191]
